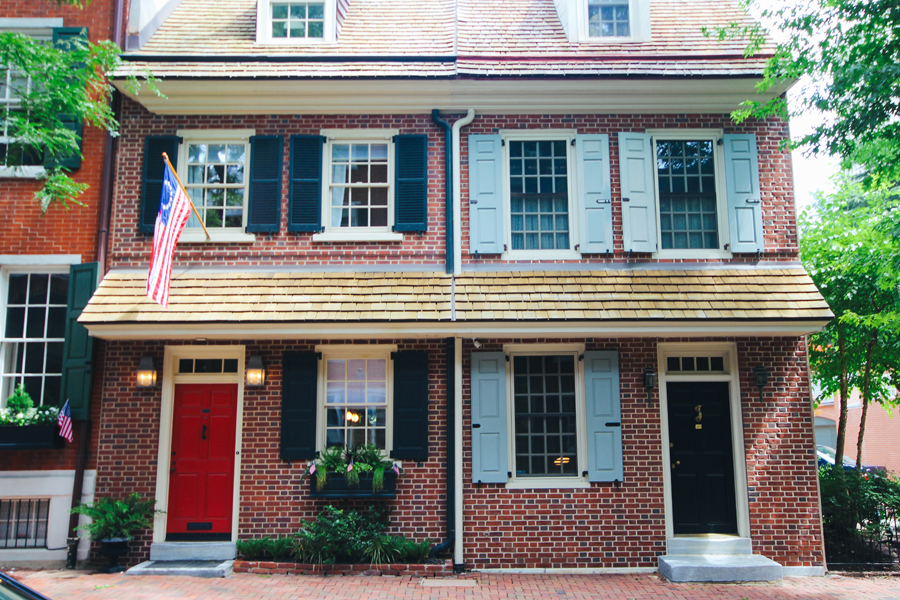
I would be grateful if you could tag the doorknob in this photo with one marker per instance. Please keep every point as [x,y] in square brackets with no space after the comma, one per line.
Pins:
[203,433]
[172,469]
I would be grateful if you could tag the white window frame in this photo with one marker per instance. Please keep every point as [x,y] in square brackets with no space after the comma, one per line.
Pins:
[39,29]
[357,234]
[638,15]
[538,135]
[264,26]
[349,352]
[714,135]
[5,342]
[209,136]
[565,482]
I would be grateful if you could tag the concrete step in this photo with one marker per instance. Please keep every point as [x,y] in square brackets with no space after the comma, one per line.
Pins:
[719,544]
[193,551]
[719,567]
[191,568]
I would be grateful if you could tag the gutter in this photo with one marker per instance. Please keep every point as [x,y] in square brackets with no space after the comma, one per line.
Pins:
[449,229]
[265,58]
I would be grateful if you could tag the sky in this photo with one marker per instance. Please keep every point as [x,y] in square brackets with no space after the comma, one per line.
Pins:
[810,173]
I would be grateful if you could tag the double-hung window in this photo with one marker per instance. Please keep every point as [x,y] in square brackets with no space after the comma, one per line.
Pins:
[15,159]
[539,194]
[297,20]
[356,400]
[359,190]
[546,416]
[609,19]
[690,193]
[34,327]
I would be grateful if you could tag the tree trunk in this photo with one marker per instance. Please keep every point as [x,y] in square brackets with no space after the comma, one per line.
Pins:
[842,420]
[867,377]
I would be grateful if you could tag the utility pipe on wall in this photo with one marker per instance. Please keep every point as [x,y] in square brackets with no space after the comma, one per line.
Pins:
[457,202]
[458,555]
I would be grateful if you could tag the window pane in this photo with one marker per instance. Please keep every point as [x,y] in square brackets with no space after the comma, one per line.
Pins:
[687,202]
[279,11]
[539,195]
[18,289]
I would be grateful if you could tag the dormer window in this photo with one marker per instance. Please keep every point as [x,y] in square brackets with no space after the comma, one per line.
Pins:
[298,20]
[284,22]
[608,18]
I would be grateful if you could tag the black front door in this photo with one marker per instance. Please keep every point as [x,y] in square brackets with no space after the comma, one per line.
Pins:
[701,457]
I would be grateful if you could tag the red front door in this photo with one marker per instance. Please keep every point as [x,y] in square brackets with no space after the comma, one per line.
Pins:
[201,481]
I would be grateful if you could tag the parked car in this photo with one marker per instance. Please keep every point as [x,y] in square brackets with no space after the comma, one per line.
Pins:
[826,455]
[11,589]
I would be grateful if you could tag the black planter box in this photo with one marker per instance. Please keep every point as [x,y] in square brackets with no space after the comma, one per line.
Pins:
[336,487]
[30,437]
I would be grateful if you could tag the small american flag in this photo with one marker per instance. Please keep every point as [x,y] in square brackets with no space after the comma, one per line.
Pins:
[174,210]
[65,422]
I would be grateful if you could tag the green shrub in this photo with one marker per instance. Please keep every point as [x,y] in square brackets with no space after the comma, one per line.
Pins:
[414,552]
[279,549]
[20,410]
[112,519]
[871,501]
[340,536]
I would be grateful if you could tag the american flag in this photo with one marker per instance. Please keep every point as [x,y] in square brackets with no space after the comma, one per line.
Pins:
[174,210]
[65,422]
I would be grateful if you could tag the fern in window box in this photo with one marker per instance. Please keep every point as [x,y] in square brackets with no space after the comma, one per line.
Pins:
[350,464]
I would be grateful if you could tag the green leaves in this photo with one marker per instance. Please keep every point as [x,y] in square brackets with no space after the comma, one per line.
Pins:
[112,519]
[850,52]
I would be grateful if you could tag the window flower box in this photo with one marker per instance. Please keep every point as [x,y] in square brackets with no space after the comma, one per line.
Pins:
[336,486]
[32,437]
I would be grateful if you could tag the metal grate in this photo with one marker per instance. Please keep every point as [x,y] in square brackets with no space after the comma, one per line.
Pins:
[23,523]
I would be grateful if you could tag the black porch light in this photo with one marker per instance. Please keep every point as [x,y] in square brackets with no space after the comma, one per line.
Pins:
[651,379]
[760,379]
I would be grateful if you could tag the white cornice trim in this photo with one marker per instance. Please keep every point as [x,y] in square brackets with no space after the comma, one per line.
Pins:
[431,330]
[713,94]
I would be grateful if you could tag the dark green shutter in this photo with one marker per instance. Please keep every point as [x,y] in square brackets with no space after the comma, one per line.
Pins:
[264,212]
[410,405]
[78,350]
[411,183]
[305,196]
[62,39]
[154,171]
[300,374]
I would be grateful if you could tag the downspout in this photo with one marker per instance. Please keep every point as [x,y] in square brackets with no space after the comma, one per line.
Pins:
[84,427]
[458,555]
[448,189]
[457,196]
[449,353]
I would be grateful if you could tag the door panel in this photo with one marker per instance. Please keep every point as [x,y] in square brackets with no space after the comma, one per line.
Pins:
[202,465]
[701,456]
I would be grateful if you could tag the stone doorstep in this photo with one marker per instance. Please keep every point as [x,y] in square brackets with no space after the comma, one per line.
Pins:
[716,544]
[193,551]
[273,568]
[719,567]
[190,568]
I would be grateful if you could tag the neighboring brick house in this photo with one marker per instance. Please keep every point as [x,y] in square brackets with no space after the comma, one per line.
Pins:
[48,270]
[483,226]
[879,444]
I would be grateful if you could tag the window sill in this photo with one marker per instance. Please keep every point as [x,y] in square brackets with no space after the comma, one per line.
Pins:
[362,236]
[546,484]
[23,172]
[538,255]
[665,254]
[196,236]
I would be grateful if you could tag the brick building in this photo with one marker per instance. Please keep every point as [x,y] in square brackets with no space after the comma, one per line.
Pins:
[49,266]
[444,217]
[879,449]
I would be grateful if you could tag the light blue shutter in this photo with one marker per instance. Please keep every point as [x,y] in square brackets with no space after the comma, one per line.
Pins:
[489,417]
[604,425]
[636,172]
[485,194]
[594,193]
[745,226]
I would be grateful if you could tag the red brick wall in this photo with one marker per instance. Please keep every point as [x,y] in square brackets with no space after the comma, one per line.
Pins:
[606,526]
[603,526]
[283,249]
[775,172]
[273,501]
[59,231]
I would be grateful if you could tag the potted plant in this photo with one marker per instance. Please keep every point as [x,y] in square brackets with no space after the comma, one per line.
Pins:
[341,472]
[26,427]
[113,524]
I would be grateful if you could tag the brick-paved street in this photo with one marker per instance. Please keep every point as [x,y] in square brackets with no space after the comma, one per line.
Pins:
[79,585]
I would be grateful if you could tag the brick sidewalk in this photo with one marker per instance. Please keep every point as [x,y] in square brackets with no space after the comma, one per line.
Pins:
[78,585]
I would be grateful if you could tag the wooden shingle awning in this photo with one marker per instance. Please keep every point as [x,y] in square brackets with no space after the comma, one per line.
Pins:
[261,304]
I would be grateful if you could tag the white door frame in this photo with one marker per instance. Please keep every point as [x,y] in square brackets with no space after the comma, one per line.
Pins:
[729,350]
[169,379]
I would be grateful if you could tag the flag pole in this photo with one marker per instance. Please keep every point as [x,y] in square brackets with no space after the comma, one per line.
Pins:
[186,195]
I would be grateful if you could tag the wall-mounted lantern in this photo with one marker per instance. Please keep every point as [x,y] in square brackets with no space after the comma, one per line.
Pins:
[146,373]
[255,371]
[760,379]
[651,379]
